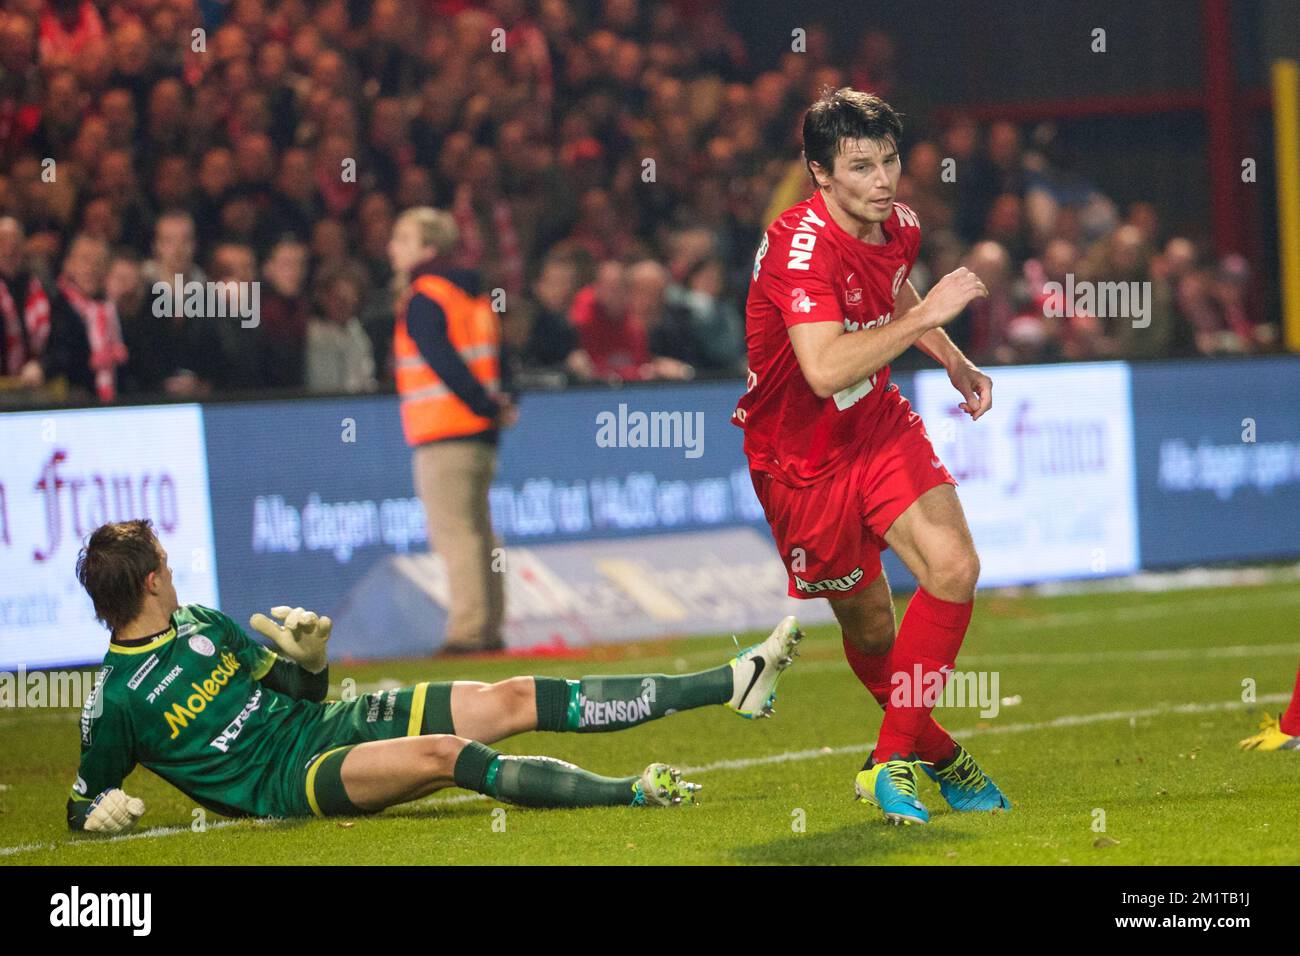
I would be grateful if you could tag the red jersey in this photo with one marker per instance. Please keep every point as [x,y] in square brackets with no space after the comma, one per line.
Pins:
[808,269]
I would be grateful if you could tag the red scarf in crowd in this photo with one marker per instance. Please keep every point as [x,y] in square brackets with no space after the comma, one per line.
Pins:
[20,349]
[107,351]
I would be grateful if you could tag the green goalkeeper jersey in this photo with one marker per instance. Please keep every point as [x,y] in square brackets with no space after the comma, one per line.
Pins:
[204,707]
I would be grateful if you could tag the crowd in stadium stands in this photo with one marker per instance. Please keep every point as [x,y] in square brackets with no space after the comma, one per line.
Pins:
[611,173]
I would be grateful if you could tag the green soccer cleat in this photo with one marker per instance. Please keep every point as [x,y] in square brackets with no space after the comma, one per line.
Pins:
[757,669]
[891,786]
[965,786]
[1270,737]
[663,786]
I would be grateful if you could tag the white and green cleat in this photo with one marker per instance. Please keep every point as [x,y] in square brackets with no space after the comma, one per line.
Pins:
[663,786]
[757,669]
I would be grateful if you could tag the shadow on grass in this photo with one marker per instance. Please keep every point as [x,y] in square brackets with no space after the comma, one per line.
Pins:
[870,841]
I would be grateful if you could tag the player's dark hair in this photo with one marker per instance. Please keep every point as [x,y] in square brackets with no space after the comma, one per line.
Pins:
[843,114]
[113,565]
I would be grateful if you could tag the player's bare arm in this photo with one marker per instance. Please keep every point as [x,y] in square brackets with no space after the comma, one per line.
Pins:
[974,385]
[832,359]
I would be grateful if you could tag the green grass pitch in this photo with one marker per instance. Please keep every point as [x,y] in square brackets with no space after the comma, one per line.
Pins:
[1130,706]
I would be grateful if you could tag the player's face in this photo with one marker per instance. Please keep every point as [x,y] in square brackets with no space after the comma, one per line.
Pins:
[863,179]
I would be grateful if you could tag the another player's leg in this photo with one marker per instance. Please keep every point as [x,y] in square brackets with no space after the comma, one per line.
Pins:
[746,684]
[932,538]
[1279,733]
[371,776]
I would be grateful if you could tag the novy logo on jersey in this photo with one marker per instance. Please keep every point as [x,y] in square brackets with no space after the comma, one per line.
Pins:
[800,302]
[180,715]
[758,257]
[803,240]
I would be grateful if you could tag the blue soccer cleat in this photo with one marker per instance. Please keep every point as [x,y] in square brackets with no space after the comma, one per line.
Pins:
[891,786]
[965,786]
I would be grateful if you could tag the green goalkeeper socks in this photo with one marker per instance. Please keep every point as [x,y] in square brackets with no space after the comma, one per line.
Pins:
[538,781]
[602,703]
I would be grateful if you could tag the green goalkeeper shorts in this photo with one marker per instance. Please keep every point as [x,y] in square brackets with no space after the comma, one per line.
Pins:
[311,780]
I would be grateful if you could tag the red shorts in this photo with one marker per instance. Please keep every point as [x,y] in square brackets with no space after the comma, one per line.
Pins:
[830,534]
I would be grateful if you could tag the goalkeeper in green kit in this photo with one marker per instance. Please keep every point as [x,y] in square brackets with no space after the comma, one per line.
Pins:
[244,729]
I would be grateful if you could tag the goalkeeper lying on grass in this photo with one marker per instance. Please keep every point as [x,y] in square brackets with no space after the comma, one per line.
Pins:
[244,730]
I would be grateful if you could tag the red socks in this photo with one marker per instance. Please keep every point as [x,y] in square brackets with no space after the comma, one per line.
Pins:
[874,670]
[930,635]
[1290,721]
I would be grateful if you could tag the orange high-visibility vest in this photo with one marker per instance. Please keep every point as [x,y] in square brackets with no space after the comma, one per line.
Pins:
[431,410]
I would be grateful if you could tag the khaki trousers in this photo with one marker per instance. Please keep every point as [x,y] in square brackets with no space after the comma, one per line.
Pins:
[452,479]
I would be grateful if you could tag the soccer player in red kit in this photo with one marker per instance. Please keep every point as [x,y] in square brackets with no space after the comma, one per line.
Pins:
[840,462]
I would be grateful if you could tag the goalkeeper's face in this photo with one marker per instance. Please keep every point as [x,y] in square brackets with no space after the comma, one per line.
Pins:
[160,586]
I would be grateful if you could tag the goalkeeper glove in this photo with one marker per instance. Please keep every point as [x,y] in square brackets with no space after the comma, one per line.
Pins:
[113,812]
[302,636]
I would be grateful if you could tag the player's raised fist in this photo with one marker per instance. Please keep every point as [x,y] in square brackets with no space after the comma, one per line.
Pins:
[951,295]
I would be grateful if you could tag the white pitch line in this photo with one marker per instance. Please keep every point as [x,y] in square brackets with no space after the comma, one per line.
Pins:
[743,763]
[150,834]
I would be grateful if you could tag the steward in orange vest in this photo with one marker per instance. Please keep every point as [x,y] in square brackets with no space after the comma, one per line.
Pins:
[447,347]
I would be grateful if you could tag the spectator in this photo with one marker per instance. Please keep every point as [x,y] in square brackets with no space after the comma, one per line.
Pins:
[717,327]
[173,250]
[668,327]
[24,311]
[85,346]
[612,344]
[340,357]
[549,338]
[235,266]
[172,352]
[282,332]
[989,318]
